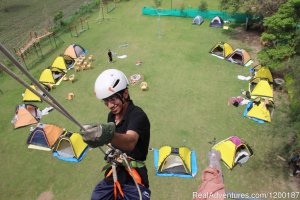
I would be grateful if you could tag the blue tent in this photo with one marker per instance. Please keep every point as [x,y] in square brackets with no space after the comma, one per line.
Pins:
[216,22]
[198,20]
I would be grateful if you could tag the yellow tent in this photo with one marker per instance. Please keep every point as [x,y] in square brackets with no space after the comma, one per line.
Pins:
[221,50]
[261,110]
[170,161]
[184,153]
[47,77]
[233,151]
[264,73]
[260,88]
[52,76]
[30,96]
[70,147]
[60,63]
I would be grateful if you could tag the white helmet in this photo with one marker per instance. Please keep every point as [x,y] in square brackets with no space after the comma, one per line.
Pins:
[110,82]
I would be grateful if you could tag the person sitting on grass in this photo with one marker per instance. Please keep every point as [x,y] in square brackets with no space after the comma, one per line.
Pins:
[237,101]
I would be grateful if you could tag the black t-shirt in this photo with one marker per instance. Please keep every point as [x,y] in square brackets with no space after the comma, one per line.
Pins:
[135,119]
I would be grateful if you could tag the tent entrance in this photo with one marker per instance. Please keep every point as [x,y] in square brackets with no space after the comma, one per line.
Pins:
[238,58]
[218,51]
[65,149]
[39,138]
[174,164]
[242,156]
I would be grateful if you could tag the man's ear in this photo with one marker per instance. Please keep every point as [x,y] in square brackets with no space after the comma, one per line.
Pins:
[126,94]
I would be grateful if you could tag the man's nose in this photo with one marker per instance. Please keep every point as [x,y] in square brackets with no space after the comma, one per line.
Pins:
[110,104]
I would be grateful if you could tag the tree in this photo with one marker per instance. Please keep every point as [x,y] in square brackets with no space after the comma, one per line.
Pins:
[157,3]
[3,5]
[203,5]
[280,33]
[263,8]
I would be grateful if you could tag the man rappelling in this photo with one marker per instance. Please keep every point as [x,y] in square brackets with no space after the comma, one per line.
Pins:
[127,131]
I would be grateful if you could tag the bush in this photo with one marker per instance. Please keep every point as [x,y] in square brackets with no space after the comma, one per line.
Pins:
[58,16]
[157,3]
[61,24]
[203,6]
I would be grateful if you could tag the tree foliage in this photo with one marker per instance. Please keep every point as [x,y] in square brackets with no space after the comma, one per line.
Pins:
[157,3]
[262,8]
[203,5]
[280,32]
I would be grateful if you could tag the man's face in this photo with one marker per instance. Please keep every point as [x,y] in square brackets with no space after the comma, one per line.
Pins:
[114,103]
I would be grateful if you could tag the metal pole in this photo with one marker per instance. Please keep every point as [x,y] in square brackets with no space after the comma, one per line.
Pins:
[15,76]
[17,64]
[55,103]
[67,115]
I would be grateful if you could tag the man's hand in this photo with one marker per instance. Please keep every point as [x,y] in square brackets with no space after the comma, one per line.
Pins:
[96,135]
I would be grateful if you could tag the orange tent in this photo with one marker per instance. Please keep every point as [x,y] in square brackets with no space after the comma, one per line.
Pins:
[74,51]
[26,114]
[44,136]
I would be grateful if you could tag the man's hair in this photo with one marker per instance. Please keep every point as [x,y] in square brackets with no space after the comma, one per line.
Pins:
[120,95]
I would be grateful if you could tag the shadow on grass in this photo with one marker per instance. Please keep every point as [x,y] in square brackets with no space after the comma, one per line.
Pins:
[15,8]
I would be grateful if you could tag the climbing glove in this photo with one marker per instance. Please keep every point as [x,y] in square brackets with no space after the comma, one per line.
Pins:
[96,135]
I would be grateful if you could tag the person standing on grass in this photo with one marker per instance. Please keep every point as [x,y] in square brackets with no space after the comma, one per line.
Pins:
[130,133]
[109,53]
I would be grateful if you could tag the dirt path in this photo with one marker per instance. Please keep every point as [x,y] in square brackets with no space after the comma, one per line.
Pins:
[251,38]
[48,195]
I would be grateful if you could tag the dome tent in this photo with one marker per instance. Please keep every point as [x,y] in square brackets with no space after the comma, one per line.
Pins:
[216,22]
[198,20]
[74,51]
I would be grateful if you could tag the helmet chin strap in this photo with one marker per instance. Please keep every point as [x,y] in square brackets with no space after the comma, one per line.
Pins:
[121,97]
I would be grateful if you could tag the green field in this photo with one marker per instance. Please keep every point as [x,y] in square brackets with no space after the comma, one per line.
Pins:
[186,104]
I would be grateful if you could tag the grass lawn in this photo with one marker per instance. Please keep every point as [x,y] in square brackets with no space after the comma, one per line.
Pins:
[186,104]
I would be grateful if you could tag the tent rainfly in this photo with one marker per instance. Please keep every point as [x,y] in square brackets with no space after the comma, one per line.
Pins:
[170,161]
[30,96]
[260,110]
[233,151]
[25,115]
[59,63]
[216,22]
[44,136]
[260,88]
[52,76]
[263,73]
[74,51]
[70,147]
[221,50]
[198,20]
[240,57]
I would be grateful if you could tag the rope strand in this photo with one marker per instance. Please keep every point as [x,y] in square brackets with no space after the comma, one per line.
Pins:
[54,103]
